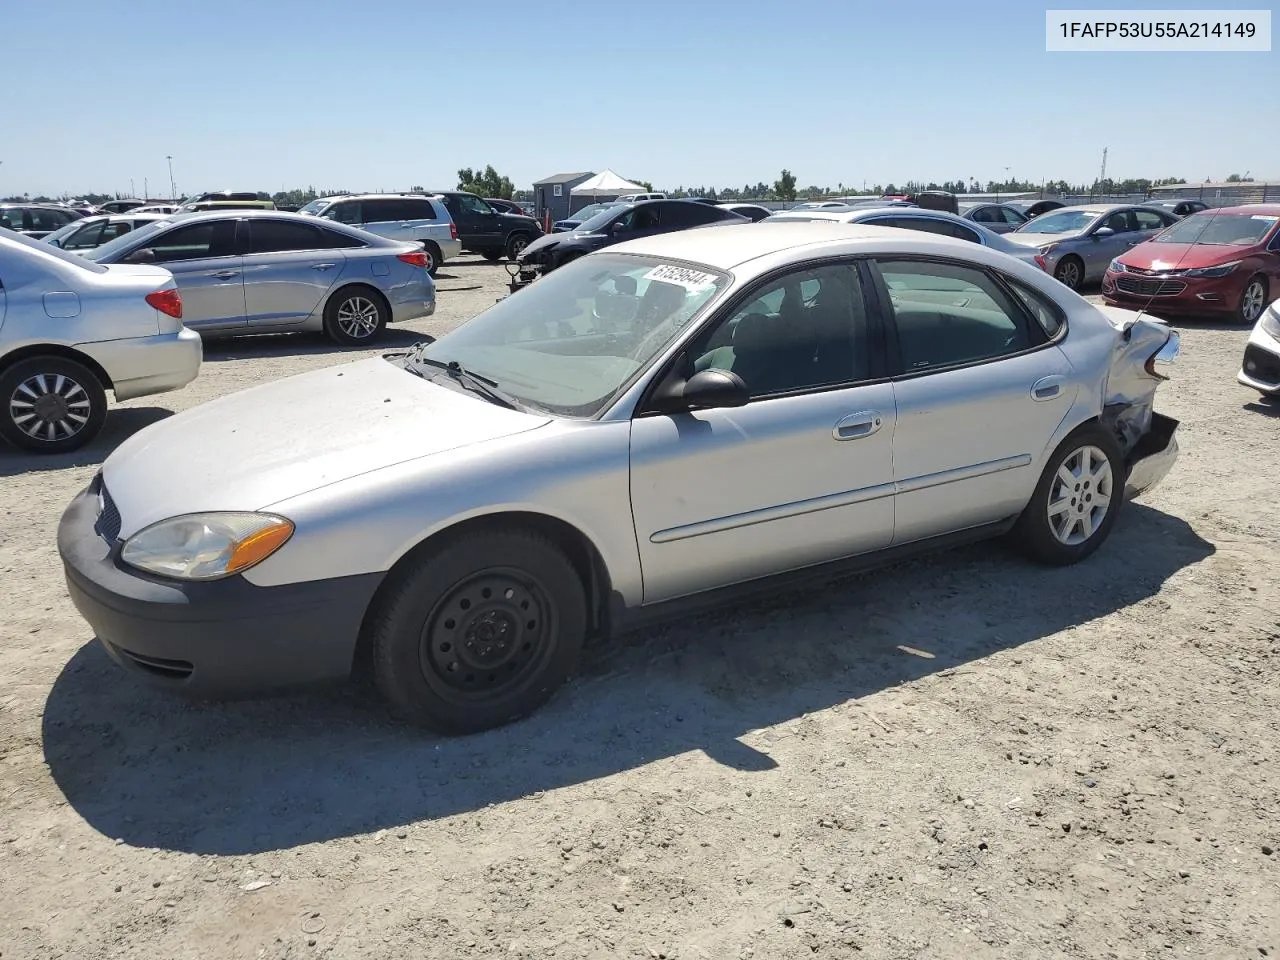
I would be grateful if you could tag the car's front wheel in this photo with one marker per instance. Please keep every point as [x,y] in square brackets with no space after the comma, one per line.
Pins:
[516,245]
[355,316]
[478,632]
[1253,300]
[51,404]
[1070,272]
[1077,500]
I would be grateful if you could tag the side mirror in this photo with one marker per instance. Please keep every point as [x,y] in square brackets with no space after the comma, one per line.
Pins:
[56,243]
[708,389]
[618,227]
[143,255]
[1103,232]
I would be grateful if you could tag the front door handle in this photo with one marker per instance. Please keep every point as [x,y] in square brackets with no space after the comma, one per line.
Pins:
[323,266]
[1047,388]
[857,425]
[225,274]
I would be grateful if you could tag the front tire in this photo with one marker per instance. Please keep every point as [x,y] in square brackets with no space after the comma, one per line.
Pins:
[1253,300]
[479,632]
[355,316]
[51,404]
[1070,272]
[1077,500]
[516,245]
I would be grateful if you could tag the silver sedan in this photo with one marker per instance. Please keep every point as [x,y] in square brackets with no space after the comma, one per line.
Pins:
[1077,243]
[915,218]
[656,426]
[250,271]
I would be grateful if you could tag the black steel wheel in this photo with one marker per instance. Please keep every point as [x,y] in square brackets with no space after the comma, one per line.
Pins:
[479,631]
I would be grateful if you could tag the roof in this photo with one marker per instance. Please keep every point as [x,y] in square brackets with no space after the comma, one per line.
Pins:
[725,247]
[563,178]
[1216,185]
[1247,209]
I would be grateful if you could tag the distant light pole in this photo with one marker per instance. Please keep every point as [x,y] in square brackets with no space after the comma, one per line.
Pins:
[173,190]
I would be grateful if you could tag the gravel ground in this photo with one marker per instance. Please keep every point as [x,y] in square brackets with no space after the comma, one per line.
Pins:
[963,756]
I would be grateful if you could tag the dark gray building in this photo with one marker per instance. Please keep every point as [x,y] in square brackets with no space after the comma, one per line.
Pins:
[552,193]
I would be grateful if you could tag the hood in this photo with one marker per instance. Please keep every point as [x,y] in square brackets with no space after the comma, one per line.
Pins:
[543,244]
[1183,256]
[251,449]
[1030,239]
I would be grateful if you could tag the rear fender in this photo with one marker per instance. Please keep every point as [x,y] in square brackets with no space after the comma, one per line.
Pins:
[1130,388]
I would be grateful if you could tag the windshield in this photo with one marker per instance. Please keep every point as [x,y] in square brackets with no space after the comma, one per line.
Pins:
[570,342]
[1219,230]
[109,249]
[589,211]
[49,250]
[602,218]
[1062,221]
[314,207]
[65,231]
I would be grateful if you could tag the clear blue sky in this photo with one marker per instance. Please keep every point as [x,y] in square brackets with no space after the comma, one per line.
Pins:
[266,94]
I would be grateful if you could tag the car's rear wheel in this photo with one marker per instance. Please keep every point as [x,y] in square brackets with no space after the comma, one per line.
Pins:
[1077,500]
[434,258]
[516,245]
[479,632]
[1253,300]
[1070,272]
[355,316]
[51,404]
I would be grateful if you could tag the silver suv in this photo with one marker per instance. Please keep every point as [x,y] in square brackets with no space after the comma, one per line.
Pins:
[396,216]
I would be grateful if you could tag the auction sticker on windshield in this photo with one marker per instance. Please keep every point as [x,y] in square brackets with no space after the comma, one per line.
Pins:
[692,280]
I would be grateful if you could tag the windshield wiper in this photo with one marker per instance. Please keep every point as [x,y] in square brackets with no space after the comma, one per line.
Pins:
[473,381]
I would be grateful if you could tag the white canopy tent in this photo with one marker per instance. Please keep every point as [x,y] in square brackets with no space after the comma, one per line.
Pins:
[606,184]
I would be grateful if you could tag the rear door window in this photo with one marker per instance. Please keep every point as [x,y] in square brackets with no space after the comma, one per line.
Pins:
[984,215]
[278,236]
[415,209]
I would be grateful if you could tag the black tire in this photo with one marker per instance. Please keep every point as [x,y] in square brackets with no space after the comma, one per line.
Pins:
[1034,534]
[1070,272]
[434,257]
[355,316]
[515,244]
[439,653]
[493,256]
[1253,300]
[34,400]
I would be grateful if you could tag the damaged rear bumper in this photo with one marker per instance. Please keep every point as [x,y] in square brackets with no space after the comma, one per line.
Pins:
[1152,456]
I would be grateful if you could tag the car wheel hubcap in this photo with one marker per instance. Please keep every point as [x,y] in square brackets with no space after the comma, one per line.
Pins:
[488,635]
[1253,297]
[518,245]
[1069,273]
[50,407]
[358,317]
[1080,496]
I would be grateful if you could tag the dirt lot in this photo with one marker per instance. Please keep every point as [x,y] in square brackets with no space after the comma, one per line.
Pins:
[959,757]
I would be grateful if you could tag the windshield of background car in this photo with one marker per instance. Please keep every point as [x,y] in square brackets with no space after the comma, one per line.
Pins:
[126,240]
[572,341]
[49,250]
[601,219]
[1065,221]
[1218,229]
[314,207]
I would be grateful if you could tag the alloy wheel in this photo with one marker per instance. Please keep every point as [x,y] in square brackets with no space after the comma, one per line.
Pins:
[1069,273]
[1080,495]
[1251,303]
[50,407]
[358,317]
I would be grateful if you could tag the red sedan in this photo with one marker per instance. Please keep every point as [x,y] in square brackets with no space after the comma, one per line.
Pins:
[1224,262]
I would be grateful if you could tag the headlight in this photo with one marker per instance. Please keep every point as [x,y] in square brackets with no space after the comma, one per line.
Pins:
[1115,266]
[1048,248]
[1221,271]
[1270,321]
[206,546]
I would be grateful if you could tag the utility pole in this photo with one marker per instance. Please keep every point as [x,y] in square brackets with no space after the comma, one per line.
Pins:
[1103,175]
[145,192]
[133,191]
[173,190]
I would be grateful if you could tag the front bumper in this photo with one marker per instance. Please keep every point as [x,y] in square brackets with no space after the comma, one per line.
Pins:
[225,638]
[141,366]
[1152,457]
[1260,368]
[1185,296]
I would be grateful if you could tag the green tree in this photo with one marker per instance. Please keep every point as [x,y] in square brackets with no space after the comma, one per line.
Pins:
[785,185]
[486,183]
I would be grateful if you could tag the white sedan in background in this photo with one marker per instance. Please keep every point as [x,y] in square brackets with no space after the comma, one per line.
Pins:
[70,330]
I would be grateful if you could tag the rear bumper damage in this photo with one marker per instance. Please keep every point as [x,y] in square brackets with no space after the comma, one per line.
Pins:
[1152,457]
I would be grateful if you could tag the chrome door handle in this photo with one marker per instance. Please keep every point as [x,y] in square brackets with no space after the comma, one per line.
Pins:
[323,266]
[1047,388]
[225,274]
[857,425]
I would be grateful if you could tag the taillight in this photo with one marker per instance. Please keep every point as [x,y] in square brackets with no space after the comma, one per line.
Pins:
[1042,262]
[167,302]
[418,259]
[453,230]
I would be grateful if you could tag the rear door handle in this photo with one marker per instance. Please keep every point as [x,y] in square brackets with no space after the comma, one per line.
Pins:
[225,274]
[857,425]
[323,266]
[1047,388]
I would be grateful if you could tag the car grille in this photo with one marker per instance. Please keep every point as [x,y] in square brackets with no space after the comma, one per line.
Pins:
[108,524]
[1150,288]
[1261,364]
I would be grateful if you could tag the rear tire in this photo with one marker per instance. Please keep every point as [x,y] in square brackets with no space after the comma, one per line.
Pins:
[51,404]
[1070,272]
[1253,300]
[478,632]
[434,257]
[355,316]
[1066,519]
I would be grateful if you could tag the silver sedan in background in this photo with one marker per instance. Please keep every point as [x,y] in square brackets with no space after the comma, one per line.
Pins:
[996,217]
[913,218]
[250,271]
[1077,243]
[94,231]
